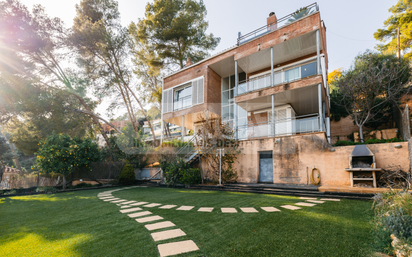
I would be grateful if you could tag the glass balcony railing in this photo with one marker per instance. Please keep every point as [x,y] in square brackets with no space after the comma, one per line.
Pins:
[284,21]
[290,126]
[182,103]
[280,77]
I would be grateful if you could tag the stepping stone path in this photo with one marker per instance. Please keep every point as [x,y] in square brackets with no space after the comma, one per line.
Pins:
[249,210]
[290,207]
[305,204]
[152,205]
[185,208]
[168,234]
[164,224]
[205,209]
[269,209]
[168,249]
[169,206]
[229,210]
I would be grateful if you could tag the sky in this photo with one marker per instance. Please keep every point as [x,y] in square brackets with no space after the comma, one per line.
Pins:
[349,24]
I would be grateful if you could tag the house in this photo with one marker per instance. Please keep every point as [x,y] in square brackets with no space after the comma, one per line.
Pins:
[272,89]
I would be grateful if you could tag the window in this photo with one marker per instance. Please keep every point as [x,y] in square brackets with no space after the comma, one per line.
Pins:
[183,97]
[308,69]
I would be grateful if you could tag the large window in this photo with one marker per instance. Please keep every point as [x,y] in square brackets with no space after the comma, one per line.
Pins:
[228,105]
[183,98]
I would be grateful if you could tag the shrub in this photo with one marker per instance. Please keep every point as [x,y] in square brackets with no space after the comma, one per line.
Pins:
[179,171]
[127,175]
[369,141]
[393,216]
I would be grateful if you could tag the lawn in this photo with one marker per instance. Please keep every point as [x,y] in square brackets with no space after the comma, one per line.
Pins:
[80,224]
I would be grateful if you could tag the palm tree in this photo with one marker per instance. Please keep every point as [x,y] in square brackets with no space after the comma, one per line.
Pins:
[300,13]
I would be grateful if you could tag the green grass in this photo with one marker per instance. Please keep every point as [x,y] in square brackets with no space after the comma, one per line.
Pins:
[79,224]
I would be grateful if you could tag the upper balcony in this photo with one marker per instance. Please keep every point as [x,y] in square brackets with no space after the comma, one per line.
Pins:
[275,24]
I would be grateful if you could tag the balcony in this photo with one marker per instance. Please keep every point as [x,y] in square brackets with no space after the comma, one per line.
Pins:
[284,76]
[282,22]
[290,126]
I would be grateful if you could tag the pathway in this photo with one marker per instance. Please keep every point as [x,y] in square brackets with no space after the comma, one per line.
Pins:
[133,209]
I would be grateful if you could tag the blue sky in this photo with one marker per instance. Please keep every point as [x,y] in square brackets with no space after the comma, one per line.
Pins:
[350,24]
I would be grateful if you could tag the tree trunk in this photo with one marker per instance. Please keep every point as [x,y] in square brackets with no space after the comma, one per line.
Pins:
[16,160]
[64,182]
[95,121]
[361,134]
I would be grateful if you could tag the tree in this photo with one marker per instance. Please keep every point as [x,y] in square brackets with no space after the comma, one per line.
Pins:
[154,113]
[401,19]
[372,82]
[177,31]
[61,154]
[6,155]
[103,45]
[213,135]
[300,13]
[34,51]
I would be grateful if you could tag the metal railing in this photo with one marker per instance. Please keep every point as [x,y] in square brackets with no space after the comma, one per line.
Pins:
[292,73]
[286,20]
[290,126]
[182,103]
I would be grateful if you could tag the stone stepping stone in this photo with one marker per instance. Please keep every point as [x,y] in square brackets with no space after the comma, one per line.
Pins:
[229,210]
[269,209]
[168,234]
[131,210]
[185,208]
[249,210]
[107,200]
[177,248]
[139,214]
[129,202]
[206,209]
[308,198]
[148,219]
[139,203]
[104,198]
[290,207]
[119,201]
[305,204]
[125,206]
[169,206]
[330,199]
[315,201]
[152,205]
[159,225]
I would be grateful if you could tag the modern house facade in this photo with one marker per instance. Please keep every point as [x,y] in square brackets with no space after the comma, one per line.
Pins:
[270,86]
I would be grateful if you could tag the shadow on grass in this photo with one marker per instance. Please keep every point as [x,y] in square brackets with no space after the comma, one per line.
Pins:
[69,224]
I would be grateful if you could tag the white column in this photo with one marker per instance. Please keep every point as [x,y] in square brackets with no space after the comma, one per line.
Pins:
[234,104]
[183,127]
[320,107]
[162,124]
[272,74]
[273,116]
[328,129]
[318,50]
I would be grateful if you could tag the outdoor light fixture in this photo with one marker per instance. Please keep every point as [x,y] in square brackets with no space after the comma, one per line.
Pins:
[398,146]
[332,149]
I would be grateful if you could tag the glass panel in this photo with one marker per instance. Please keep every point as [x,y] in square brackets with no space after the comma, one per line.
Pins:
[242,112]
[225,98]
[231,110]
[291,75]
[231,96]
[278,78]
[242,122]
[232,81]
[242,88]
[242,77]
[225,84]
[308,69]
[225,113]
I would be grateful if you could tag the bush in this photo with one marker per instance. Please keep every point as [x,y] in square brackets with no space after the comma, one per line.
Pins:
[127,176]
[179,171]
[368,142]
[393,216]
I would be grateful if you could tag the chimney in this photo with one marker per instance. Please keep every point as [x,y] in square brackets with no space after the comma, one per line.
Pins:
[188,62]
[272,19]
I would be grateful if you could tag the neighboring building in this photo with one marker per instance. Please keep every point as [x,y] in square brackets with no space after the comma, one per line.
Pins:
[272,84]
[119,124]
[8,174]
